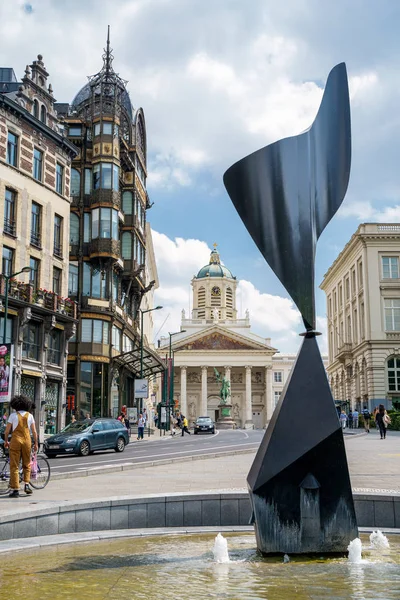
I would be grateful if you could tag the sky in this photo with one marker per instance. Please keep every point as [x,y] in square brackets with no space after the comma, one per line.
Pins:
[217,80]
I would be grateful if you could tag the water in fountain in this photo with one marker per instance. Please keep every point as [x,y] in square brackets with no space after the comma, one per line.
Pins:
[378,540]
[220,549]
[354,549]
[286,558]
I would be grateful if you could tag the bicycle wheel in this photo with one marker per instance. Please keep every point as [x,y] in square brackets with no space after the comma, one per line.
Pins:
[40,479]
[4,477]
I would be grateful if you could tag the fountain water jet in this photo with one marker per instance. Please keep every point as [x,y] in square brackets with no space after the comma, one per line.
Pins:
[355,548]
[220,549]
[378,540]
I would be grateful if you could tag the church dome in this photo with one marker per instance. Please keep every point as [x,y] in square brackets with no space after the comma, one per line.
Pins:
[214,268]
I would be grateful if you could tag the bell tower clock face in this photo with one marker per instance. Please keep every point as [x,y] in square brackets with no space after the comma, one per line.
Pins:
[216,291]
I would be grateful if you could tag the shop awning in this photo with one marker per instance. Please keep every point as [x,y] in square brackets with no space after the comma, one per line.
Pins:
[152,363]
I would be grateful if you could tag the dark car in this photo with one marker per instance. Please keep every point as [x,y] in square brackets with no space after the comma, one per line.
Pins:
[85,437]
[204,424]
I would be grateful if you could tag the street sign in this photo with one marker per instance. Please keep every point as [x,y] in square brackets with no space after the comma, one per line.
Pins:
[141,388]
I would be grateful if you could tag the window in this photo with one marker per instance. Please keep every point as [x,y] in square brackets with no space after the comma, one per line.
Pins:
[116,130]
[393,373]
[96,177]
[106,176]
[35,224]
[276,397]
[75,130]
[126,245]
[390,267]
[107,225]
[8,261]
[360,274]
[392,314]
[35,272]
[75,182]
[353,282]
[95,330]
[106,172]
[116,338]
[59,178]
[94,282]
[37,164]
[140,171]
[347,283]
[127,203]
[12,149]
[73,229]
[278,376]
[36,109]
[58,235]
[349,332]
[115,178]
[30,343]
[107,128]
[43,114]
[57,273]
[362,317]
[97,129]
[9,212]
[54,348]
[115,287]
[88,181]
[73,278]
[86,228]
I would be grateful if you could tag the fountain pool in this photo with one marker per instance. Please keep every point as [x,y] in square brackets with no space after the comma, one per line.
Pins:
[174,567]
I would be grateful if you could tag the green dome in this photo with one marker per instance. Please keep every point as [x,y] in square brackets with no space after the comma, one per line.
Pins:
[214,268]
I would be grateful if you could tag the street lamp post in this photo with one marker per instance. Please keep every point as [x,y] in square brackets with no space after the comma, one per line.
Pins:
[7,280]
[171,366]
[142,312]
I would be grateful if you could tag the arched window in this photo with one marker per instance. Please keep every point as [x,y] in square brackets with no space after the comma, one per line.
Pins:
[36,109]
[75,182]
[43,114]
[127,245]
[127,203]
[393,373]
[74,229]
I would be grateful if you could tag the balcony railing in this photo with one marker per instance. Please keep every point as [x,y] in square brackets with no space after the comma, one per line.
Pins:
[105,247]
[106,198]
[9,227]
[58,250]
[26,292]
[36,239]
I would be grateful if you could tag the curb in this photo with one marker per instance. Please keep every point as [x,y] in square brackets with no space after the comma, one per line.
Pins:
[142,465]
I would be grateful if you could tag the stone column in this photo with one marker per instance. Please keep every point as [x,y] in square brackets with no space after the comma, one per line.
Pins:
[228,373]
[248,413]
[269,401]
[183,391]
[203,405]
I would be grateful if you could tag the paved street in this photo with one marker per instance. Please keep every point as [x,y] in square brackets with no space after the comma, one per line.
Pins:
[374,465]
[158,447]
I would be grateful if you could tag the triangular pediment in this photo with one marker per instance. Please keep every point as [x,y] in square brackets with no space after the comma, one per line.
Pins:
[216,338]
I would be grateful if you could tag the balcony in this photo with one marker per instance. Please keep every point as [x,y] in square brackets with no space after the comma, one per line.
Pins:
[344,352]
[105,247]
[57,250]
[36,239]
[9,227]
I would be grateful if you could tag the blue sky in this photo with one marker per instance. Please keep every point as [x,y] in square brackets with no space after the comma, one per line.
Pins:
[217,80]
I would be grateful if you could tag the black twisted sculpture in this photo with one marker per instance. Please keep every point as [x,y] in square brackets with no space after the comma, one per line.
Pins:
[286,194]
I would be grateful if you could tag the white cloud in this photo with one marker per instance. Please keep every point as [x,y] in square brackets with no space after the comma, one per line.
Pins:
[366,212]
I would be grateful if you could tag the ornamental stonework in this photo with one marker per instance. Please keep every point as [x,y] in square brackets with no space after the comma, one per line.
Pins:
[215,341]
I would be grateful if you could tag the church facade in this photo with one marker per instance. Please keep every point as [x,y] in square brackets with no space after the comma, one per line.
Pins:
[215,338]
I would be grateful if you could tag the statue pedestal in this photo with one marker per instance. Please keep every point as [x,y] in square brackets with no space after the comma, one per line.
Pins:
[225,421]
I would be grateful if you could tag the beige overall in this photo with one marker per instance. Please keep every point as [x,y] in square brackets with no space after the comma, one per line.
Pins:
[20,447]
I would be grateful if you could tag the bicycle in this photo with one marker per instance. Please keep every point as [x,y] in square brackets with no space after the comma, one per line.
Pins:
[39,477]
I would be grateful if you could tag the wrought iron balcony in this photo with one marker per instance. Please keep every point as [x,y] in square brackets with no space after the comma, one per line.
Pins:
[36,239]
[105,247]
[9,227]
[106,198]
[58,250]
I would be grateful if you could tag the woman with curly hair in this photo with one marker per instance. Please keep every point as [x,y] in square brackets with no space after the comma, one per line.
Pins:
[20,424]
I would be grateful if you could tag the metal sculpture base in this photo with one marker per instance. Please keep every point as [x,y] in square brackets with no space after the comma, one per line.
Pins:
[225,421]
[299,482]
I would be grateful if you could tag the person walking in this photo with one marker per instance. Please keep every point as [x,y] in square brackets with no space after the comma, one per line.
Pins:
[382,420]
[343,419]
[355,419]
[20,424]
[140,426]
[185,424]
[350,420]
[367,417]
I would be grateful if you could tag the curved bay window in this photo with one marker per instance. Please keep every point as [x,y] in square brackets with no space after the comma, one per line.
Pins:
[127,203]
[126,240]
[94,390]
[73,229]
[94,282]
[105,223]
[75,182]
[95,330]
[105,176]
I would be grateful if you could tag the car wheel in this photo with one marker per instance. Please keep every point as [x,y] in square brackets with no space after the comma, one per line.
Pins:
[195,432]
[84,448]
[213,431]
[120,447]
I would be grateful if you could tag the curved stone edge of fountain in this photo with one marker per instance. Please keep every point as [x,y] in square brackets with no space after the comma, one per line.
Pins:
[214,509]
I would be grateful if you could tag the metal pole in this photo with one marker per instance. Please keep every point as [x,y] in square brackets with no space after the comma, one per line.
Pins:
[141,344]
[5,309]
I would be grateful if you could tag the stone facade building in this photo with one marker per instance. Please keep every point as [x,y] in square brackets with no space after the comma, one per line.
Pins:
[35,160]
[214,337]
[108,244]
[362,289]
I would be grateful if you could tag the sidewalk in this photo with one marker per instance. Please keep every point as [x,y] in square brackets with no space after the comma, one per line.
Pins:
[374,466]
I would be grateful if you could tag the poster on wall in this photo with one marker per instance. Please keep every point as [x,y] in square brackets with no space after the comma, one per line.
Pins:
[141,388]
[5,372]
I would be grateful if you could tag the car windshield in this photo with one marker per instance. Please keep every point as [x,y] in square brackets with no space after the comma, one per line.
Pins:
[204,420]
[77,427]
